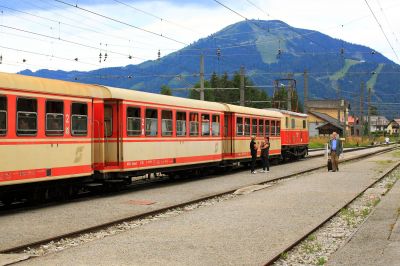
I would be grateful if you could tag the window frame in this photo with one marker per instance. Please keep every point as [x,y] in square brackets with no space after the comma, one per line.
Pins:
[293,123]
[172,122]
[74,115]
[252,127]
[176,123]
[273,128]
[145,121]
[238,124]
[218,116]
[195,121]
[56,132]
[247,132]
[260,128]
[278,128]
[17,116]
[267,125]
[127,122]
[5,130]
[209,122]
[304,124]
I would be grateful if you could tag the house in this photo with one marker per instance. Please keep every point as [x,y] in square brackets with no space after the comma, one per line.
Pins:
[377,123]
[322,124]
[354,125]
[326,116]
[393,127]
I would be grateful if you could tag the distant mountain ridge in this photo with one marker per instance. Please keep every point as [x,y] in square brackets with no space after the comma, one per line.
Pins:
[255,44]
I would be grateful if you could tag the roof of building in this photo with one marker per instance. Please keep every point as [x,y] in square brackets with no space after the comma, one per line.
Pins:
[327,118]
[330,104]
[53,86]
[287,112]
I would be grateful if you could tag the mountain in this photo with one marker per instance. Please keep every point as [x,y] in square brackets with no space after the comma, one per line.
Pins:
[268,50]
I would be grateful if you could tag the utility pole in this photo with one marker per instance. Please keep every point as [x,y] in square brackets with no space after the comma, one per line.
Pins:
[345,118]
[305,91]
[241,100]
[202,77]
[369,112]
[289,92]
[362,108]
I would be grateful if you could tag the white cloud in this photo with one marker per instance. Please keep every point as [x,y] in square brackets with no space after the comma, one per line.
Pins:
[198,21]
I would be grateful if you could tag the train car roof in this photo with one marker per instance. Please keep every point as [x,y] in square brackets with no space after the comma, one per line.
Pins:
[146,97]
[53,86]
[253,111]
[288,112]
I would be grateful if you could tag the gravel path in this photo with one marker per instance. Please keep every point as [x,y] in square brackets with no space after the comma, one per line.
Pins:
[247,229]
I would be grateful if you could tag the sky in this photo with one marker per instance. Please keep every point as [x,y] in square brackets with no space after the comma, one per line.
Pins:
[71,34]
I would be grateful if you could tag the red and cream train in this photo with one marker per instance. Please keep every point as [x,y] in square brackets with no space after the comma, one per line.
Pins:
[57,132]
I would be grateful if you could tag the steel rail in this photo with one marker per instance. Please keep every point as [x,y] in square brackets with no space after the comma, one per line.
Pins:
[302,238]
[21,248]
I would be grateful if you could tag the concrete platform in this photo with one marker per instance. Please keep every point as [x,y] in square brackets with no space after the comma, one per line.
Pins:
[378,241]
[43,223]
[246,230]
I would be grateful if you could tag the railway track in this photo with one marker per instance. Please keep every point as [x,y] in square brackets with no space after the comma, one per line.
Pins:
[142,182]
[318,226]
[21,248]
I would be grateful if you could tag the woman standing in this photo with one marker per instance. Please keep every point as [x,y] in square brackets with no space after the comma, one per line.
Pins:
[265,154]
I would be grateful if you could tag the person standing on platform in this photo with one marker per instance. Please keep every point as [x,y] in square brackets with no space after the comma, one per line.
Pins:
[335,148]
[253,152]
[265,154]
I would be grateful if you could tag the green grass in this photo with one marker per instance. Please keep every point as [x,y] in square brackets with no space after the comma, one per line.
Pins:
[349,215]
[372,81]
[321,261]
[284,255]
[342,72]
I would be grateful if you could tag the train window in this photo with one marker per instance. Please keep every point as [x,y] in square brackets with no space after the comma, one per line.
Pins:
[273,132]
[180,124]
[254,126]
[304,124]
[194,124]
[108,113]
[205,125]
[151,122]
[54,118]
[287,122]
[133,121]
[267,128]
[260,127]
[166,123]
[79,119]
[293,123]
[278,128]
[3,115]
[239,126]
[26,116]
[215,125]
[247,126]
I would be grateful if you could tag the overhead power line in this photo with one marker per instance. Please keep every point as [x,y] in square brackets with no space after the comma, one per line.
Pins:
[237,13]
[64,40]
[380,26]
[121,22]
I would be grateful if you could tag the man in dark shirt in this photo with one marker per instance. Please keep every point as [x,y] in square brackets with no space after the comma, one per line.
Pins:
[253,151]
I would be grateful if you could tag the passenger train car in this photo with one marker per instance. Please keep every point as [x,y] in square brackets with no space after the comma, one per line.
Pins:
[55,135]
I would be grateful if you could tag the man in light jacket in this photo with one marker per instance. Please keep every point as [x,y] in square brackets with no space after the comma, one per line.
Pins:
[335,148]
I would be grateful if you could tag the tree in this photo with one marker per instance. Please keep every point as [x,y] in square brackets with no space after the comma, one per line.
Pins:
[373,110]
[166,90]
[231,96]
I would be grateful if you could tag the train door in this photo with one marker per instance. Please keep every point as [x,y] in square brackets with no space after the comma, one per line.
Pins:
[111,133]
[228,137]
